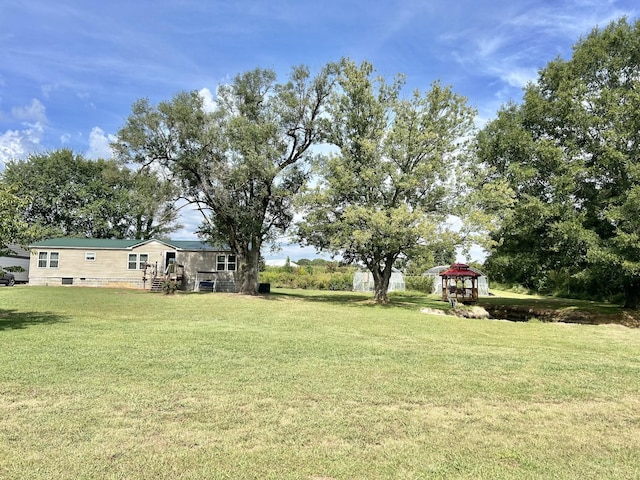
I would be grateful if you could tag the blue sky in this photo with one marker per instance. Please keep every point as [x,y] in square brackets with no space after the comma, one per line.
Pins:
[71,69]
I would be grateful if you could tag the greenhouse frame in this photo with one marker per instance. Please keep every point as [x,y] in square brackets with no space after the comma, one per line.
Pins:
[363,281]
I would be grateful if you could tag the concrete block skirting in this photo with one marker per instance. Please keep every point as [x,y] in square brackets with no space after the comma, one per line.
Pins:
[89,282]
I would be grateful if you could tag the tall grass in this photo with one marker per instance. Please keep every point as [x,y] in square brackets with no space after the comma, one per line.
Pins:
[305,385]
[325,277]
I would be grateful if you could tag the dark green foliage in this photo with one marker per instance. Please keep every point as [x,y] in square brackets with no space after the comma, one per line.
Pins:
[169,287]
[419,283]
[65,194]
[12,226]
[564,170]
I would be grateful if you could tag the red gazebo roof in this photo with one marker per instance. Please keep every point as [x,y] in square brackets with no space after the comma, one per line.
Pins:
[459,270]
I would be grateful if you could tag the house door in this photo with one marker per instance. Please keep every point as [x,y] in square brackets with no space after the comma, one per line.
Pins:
[169,258]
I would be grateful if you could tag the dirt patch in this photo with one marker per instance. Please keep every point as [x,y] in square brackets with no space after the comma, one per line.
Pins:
[524,314]
[473,312]
[433,311]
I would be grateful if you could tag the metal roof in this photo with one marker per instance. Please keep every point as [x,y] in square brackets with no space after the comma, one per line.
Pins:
[123,244]
[15,250]
[435,271]
[460,270]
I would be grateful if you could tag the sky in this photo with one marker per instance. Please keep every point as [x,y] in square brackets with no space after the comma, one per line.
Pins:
[71,69]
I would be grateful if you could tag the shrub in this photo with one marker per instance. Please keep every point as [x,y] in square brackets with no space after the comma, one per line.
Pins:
[419,283]
[169,287]
[328,277]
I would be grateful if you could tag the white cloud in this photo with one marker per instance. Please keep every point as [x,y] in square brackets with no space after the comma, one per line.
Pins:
[11,146]
[514,78]
[208,102]
[99,144]
[16,144]
[48,89]
[190,218]
[475,254]
[34,112]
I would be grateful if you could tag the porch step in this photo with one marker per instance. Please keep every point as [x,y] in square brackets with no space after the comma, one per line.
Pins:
[156,285]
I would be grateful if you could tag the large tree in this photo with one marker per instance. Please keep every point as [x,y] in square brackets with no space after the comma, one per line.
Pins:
[389,188]
[12,227]
[568,160]
[241,161]
[70,195]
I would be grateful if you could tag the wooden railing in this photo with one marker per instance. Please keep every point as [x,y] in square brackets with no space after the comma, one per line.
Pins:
[174,272]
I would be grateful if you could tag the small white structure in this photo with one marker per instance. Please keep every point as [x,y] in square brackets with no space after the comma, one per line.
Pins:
[363,281]
[483,281]
[280,262]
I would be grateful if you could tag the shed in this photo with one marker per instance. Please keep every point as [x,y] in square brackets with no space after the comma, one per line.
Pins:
[363,281]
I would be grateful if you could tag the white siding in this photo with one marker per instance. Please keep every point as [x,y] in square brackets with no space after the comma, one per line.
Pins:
[103,267]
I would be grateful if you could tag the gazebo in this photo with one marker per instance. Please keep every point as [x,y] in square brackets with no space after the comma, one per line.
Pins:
[459,284]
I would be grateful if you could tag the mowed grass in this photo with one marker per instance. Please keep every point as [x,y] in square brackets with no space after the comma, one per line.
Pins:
[122,384]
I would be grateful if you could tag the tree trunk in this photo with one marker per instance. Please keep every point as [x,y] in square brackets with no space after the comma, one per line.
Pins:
[381,289]
[381,278]
[249,270]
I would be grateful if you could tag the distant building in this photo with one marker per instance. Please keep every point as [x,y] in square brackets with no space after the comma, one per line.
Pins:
[280,262]
[16,261]
[363,281]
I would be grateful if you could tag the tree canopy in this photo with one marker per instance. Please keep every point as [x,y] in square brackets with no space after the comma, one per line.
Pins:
[567,162]
[65,194]
[12,228]
[392,183]
[241,162]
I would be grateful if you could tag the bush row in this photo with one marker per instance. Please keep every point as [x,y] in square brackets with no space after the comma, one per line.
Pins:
[316,279]
[340,278]
[419,283]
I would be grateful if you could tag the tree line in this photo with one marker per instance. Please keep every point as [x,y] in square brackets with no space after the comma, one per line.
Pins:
[550,187]
[560,174]
[61,193]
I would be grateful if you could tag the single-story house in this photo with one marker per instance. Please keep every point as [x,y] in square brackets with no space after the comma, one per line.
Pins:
[15,259]
[93,262]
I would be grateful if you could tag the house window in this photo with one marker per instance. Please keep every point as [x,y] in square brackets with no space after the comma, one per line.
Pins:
[48,259]
[90,256]
[221,262]
[226,262]
[137,261]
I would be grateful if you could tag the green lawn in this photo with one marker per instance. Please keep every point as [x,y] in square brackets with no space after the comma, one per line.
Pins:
[122,384]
